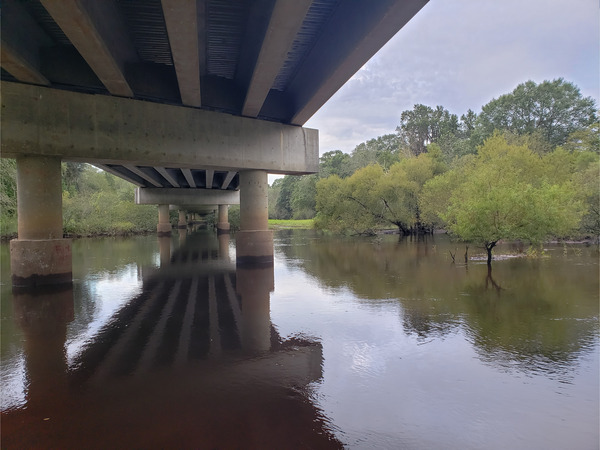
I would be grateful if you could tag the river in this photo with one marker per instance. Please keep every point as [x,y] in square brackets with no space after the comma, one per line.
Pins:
[354,343]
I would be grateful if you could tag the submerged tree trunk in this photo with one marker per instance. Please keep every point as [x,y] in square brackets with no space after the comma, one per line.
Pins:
[489,246]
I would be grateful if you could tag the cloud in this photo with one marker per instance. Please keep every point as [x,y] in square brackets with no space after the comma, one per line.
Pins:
[460,55]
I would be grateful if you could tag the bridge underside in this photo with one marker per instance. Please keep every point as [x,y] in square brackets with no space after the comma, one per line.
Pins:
[202,96]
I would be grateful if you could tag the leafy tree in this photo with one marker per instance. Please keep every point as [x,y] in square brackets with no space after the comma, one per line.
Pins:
[554,108]
[383,150]
[400,190]
[504,193]
[372,197]
[8,187]
[585,139]
[283,206]
[303,197]
[588,182]
[339,209]
[424,125]
[335,162]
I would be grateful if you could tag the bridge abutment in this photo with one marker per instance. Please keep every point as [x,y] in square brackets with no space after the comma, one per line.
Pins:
[254,241]
[40,256]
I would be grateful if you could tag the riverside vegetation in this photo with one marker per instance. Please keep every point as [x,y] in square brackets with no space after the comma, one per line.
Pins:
[525,168]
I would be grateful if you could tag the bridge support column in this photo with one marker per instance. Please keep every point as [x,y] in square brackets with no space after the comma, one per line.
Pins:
[40,255]
[223,222]
[164,226]
[182,223]
[254,241]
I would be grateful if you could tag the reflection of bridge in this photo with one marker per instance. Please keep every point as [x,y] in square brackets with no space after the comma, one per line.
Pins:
[194,347]
[197,306]
[201,95]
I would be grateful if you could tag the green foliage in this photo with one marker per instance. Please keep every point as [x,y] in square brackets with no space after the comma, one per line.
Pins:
[554,108]
[424,125]
[373,198]
[335,162]
[8,187]
[587,181]
[104,204]
[383,150]
[506,192]
[584,140]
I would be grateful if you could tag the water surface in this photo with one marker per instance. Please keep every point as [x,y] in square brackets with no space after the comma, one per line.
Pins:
[357,343]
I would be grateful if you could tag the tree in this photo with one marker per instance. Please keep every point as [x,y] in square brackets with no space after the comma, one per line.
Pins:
[337,207]
[283,206]
[585,139]
[400,190]
[555,108]
[425,125]
[303,197]
[8,187]
[505,193]
[383,150]
[335,162]
[372,197]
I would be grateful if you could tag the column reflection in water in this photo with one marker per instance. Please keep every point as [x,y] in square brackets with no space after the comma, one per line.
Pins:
[43,315]
[192,361]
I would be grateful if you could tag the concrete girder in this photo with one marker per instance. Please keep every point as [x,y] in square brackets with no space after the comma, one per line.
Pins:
[182,27]
[336,57]
[286,20]
[111,130]
[209,178]
[186,197]
[21,41]
[102,40]
[187,173]
[118,174]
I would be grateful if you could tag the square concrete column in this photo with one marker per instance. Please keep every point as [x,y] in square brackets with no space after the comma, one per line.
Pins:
[223,221]
[254,241]
[164,226]
[40,255]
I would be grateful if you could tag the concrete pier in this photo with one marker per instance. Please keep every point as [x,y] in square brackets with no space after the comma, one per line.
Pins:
[40,256]
[164,226]
[182,223]
[223,220]
[254,241]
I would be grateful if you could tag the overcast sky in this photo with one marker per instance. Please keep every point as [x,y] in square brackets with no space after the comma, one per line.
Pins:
[461,54]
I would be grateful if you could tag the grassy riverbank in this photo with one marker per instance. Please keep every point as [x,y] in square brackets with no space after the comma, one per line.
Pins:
[298,224]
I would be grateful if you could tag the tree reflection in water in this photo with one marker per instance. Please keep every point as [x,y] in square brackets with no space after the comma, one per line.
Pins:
[530,312]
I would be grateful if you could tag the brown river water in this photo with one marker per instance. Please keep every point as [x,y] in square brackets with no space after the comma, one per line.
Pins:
[361,343]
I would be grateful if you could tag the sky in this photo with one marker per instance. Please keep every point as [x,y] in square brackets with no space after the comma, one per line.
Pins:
[461,54]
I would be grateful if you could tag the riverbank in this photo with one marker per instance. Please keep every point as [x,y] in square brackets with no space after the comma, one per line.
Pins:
[277,224]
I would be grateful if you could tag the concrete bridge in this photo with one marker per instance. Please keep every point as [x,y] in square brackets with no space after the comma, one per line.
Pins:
[193,101]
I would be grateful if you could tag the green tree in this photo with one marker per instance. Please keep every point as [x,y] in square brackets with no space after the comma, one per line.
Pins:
[424,125]
[340,203]
[505,193]
[335,162]
[283,207]
[585,139]
[304,197]
[383,150]
[554,108]
[8,187]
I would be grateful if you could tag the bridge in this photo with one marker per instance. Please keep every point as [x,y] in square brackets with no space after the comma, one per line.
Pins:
[193,101]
